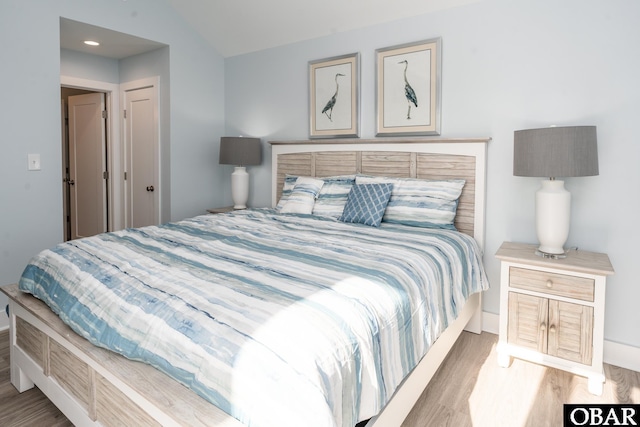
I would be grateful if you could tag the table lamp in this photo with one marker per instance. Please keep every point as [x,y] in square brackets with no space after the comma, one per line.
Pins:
[240,152]
[554,152]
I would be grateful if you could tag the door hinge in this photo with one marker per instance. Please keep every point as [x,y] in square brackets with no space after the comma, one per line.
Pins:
[125,113]
[105,174]
[125,176]
[104,114]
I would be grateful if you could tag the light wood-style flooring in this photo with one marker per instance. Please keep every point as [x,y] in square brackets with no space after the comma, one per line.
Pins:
[469,389]
[28,409]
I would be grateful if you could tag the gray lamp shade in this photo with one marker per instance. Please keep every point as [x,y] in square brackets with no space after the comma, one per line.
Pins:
[240,151]
[556,152]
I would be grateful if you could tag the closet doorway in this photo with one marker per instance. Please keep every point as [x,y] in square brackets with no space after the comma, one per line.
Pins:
[85,160]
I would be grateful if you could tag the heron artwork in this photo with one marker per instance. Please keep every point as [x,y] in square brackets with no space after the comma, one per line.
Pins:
[328,109]
[409,93]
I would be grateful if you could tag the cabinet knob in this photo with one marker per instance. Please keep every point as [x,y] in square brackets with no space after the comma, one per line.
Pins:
[549,283]
[552,329]
[543,326]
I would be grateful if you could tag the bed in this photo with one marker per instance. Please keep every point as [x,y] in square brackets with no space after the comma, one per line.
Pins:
[92,385]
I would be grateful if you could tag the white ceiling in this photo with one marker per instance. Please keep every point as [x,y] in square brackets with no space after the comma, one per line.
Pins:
[235,27]
[112,43]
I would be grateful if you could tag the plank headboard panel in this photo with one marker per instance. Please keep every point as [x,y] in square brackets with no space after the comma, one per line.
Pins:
[408,158]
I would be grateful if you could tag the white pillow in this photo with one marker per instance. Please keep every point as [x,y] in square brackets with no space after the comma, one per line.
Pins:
[287,188]
[303,196]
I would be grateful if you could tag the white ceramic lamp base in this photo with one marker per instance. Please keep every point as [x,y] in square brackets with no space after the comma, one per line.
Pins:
[553,210]
[240,187]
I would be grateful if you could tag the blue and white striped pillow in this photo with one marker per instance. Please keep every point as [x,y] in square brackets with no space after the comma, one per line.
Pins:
[287,188]
[420,202]
[303,196]
[331,199]
[333,196]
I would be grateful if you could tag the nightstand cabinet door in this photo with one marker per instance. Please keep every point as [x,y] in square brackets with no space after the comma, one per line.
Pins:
[528,321]
[570,331]
[557,328]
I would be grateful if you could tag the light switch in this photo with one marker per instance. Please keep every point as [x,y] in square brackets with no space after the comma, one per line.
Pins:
[34,162]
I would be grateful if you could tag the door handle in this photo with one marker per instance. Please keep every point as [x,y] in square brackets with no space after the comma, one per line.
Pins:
[150,188]
[72,182]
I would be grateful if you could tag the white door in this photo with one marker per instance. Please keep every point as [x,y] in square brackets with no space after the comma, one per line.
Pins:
[65,169]
[142,152]
[87,165]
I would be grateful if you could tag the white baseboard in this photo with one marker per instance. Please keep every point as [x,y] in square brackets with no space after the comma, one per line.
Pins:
[491,323]
[622,355]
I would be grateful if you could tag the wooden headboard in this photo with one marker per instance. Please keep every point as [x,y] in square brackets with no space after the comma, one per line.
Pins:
[423,158]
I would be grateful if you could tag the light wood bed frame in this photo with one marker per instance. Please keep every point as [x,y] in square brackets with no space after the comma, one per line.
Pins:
[94,386]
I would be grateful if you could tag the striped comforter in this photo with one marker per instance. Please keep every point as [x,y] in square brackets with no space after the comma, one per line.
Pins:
[279,320]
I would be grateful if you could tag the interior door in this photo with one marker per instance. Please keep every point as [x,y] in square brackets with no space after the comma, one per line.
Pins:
[87,165]
[142,151]
[65,169]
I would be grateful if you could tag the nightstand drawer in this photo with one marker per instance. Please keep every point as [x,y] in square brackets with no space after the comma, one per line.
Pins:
[552,284]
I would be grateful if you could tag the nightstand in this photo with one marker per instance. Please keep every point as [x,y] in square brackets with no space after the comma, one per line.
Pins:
[552,310]
[220,210]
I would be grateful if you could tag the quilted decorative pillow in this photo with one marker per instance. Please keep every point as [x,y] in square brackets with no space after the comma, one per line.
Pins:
[303,196]
[287,188]
[420,202]
[333,196]
[366,203]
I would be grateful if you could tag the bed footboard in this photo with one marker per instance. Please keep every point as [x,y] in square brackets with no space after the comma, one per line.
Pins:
[94,386]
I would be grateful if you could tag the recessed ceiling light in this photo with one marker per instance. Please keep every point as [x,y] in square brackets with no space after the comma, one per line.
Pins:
[91,43]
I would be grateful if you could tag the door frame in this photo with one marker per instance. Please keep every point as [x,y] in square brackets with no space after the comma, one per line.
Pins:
[115,182]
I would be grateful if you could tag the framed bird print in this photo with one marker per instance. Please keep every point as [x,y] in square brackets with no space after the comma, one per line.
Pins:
[408,88]
[333,97]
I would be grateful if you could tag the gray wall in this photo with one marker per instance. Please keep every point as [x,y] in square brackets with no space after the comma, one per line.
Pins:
[507,65]
[89,67]
[31,202]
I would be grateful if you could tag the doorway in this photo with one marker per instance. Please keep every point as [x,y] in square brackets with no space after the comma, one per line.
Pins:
[85,160]
[113,205]
[133,184]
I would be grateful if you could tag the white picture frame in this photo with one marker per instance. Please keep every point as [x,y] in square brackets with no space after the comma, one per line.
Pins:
[408,89]
[334,108]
